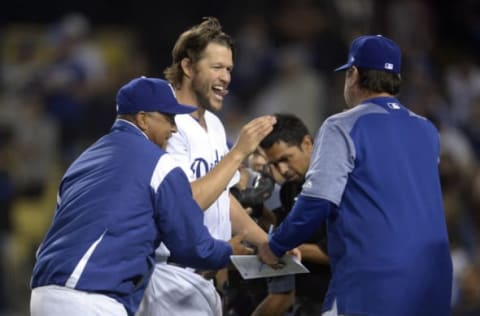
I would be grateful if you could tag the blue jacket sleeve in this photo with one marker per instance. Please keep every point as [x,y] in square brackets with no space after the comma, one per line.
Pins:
[306,216]
[180,221]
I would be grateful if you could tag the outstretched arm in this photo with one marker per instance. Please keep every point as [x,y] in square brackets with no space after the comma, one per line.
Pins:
[307,214]
[180,221]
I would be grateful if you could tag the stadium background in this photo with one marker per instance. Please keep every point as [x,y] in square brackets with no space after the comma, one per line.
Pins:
[62,62]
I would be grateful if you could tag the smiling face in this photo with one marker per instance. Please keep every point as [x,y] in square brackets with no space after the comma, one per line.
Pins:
[211,76]
[291,161]
[157,126]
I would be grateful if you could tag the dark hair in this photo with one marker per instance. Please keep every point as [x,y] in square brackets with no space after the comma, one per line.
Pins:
[192,43]
[289,128]
[379,81]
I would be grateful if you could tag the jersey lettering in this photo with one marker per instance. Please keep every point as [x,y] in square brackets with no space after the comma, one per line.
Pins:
[201,167]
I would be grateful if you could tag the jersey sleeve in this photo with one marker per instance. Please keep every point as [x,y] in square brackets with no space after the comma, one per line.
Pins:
[306,216]
[178,148]
[332,161]
[180,221]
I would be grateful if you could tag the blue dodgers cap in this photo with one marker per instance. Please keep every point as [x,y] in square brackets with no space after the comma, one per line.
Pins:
[149,95]
[374,52]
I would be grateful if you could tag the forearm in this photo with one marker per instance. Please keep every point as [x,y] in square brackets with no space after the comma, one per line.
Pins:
[242,223]
[183,220]
[312,253]
[208,188]
[305,217]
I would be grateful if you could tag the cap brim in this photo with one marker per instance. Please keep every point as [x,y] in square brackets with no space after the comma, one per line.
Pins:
[343,67]
[179,109]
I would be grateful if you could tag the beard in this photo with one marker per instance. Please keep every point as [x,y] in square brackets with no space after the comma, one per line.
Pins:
[203,93]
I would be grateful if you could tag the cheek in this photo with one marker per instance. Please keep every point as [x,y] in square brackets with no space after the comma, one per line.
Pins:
[164,132]
[296,167]
[159,135]
[202,78]
[201,87]
[162,139]
[300,166]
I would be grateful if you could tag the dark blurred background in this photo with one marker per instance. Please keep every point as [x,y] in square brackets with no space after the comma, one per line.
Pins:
[62,63]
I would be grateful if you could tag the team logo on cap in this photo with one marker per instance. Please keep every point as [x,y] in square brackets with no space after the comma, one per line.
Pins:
[388,66]
[393,105]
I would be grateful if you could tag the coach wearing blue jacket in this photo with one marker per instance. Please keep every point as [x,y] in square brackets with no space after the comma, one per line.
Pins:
[374,179]
[116,203]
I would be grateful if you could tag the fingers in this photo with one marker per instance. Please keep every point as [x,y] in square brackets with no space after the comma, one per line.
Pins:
[278,265]
[237,239]
[260,123]
[295,252]
[248,251]
[253,132]
[260,127]
[238,246]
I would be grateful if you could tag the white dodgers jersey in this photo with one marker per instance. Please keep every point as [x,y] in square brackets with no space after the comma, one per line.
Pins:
[197,151]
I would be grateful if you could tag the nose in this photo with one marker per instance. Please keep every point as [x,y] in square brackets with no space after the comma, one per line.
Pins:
[225,76]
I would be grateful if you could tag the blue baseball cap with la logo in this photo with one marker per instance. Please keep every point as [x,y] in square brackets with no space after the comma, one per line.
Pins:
[374,52]
[149,95]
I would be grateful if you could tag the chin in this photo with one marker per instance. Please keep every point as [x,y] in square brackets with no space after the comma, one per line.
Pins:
[292,178]
[216,106]
[211,106]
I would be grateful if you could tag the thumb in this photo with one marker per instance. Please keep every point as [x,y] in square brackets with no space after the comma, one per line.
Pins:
[237,239]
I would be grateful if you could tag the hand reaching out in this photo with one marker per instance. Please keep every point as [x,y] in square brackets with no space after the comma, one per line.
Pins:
[238,246]
[253,133]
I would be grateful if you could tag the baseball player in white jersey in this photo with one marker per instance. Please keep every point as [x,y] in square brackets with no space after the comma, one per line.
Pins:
[200,72]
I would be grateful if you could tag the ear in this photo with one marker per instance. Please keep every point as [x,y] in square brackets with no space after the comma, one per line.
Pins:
[187,65]
[307,143]
[141,121]
[352,76]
